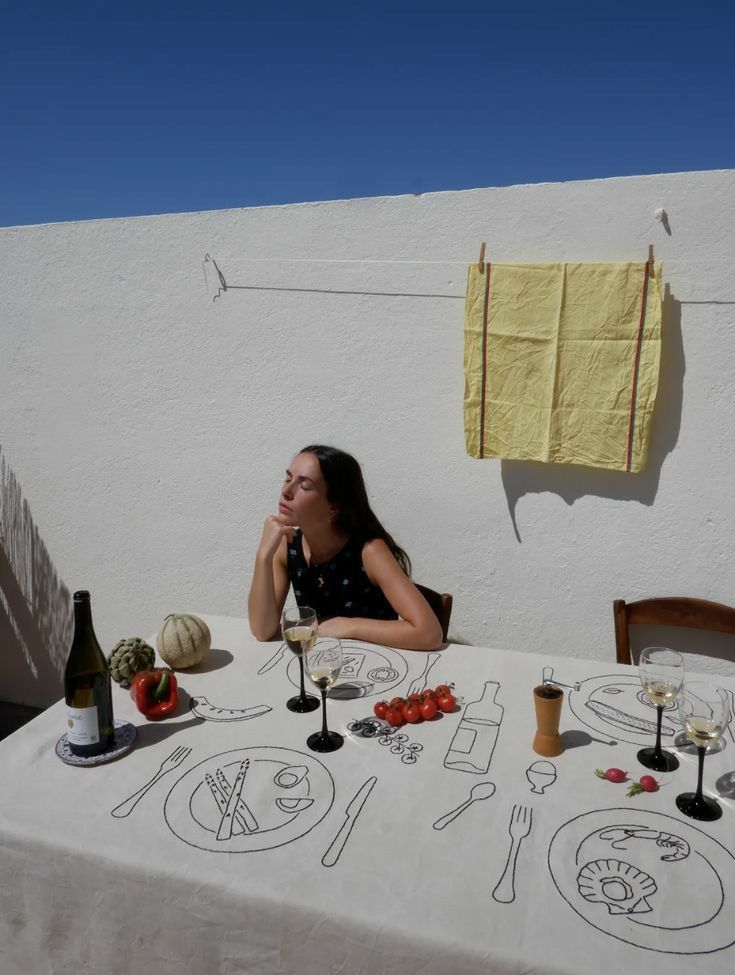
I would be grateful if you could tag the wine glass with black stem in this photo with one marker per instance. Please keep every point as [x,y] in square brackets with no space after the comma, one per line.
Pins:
[704,710]
[323,664]
[661,673]
[299,625]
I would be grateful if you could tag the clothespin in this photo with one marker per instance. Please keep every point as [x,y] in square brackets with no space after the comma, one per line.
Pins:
[650,259]
[481,262]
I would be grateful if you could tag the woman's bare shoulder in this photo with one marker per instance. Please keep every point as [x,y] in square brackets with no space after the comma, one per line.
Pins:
[376,549]
[378,559]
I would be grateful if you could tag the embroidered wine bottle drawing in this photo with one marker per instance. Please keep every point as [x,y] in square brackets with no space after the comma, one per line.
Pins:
[472,747]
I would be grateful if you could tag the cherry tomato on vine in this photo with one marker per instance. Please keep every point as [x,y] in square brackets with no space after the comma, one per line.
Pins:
[447,702]
[397,702]
[394,717]
[411,712]
[380,708]
[428,708]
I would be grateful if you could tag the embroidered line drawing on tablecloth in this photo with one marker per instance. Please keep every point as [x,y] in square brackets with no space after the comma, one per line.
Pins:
[421,682]
[617,706]
[622,887]
[613,866]
[520,825]
[249,799]
[171,762]
[472,747]
[372,670]
[273,661]
[385,734]
[353,810]
[482,790]
[201,707]
[541,775]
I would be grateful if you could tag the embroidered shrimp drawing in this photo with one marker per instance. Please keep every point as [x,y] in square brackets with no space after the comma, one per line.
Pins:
[676,848]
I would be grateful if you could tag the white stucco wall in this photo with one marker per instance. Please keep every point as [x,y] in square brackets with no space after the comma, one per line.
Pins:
[147,426]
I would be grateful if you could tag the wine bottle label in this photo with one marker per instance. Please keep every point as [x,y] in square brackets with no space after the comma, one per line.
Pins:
[84,726]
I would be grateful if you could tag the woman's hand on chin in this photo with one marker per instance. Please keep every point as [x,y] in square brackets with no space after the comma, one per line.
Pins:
[274,529]
[338,626]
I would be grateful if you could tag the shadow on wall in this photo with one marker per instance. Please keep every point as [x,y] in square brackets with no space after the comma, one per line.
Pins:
[572,482]
[35,606]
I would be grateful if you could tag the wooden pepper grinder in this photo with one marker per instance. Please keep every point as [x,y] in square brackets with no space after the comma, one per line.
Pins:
[548,701]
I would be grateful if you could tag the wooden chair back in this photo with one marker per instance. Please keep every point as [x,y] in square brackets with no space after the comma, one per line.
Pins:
[695,614]
[441,603]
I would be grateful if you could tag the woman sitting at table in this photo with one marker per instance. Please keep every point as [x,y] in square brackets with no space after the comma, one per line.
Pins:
[328,544]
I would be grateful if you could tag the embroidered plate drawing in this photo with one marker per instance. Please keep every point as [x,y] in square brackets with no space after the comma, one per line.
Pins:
[372,670]
[646,878]
[249,799]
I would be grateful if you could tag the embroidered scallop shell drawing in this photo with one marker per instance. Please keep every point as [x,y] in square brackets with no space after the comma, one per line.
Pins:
[620,886]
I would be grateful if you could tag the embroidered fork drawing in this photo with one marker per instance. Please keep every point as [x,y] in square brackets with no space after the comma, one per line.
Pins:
[177,756]
[521,820]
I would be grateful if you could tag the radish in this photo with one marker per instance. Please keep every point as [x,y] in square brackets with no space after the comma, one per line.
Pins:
[646,783]
[612,774]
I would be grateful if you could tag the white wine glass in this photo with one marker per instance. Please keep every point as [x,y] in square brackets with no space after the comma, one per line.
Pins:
[299,625]
[661,673]
[323,664]
[704,710]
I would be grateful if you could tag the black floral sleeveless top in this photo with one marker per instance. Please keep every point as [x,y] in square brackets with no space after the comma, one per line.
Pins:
[338,587]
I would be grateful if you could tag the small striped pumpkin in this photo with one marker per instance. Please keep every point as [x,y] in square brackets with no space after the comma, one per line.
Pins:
[183,640]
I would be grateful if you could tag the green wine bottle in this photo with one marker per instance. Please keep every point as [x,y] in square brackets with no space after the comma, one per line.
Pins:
[87,687]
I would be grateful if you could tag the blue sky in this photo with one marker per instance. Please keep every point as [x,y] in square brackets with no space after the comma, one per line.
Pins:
[114,109]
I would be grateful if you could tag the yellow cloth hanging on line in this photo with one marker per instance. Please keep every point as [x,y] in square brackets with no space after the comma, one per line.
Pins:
[561,362]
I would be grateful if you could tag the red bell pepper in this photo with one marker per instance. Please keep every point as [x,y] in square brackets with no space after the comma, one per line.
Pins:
[155,693]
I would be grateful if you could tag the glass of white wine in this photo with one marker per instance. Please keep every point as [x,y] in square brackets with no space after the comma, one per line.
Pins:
[661,673]
[705,713]
[323,664]
[299,625]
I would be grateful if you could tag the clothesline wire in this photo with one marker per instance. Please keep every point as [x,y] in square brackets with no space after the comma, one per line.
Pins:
[333,291]
[324,260]
[393,294]
[382,294]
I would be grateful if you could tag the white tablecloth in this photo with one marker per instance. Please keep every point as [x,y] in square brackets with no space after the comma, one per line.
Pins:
[602,882]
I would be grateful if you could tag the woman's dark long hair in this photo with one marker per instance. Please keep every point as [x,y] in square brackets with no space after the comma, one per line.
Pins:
[346,491]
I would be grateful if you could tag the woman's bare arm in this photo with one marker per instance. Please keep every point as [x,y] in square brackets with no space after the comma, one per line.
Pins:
[269,586]
[417,629]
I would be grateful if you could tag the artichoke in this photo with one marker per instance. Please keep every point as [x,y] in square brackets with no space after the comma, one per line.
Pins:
[128,657]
